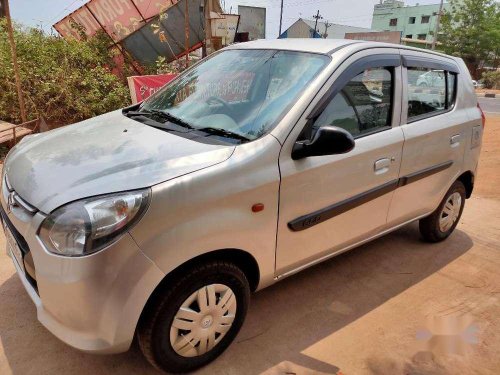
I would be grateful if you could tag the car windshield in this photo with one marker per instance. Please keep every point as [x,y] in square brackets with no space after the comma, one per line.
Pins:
[244,93]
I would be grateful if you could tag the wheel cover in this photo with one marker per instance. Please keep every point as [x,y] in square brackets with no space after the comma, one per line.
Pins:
[450,212]
[203,320]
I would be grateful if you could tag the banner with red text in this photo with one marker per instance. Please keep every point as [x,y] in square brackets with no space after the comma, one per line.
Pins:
[142,87]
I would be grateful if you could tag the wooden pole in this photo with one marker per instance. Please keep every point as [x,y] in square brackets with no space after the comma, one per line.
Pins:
[186,30]
[13,52]
[438,21]
[207,48]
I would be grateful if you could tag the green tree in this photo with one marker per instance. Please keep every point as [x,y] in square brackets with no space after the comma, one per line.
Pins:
[491,79]
[63,81]
[471,30]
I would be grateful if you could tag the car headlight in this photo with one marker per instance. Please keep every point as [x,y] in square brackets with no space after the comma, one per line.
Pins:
[86,226]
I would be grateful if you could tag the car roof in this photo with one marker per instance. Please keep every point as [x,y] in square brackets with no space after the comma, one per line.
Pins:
[324,46]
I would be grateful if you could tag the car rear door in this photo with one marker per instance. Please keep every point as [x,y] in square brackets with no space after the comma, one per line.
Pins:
[433,123]
[330,202]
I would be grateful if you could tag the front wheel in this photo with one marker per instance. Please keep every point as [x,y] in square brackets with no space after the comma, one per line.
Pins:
[441,223]
[196,318]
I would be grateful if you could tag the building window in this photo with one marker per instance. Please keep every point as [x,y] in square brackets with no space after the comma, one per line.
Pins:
[422,36]
[409,36]
[412,20]
[426,19]
[393,22]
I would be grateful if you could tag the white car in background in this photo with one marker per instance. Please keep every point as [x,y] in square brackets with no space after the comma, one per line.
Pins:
[430,79]
[477,84]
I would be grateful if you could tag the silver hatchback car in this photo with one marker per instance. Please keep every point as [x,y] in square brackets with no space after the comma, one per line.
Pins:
[159,220]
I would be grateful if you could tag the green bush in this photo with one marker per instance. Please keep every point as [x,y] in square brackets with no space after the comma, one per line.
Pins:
[63,81]
[491,80]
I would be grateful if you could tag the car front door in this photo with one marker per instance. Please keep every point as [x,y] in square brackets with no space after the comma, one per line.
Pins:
[330,202]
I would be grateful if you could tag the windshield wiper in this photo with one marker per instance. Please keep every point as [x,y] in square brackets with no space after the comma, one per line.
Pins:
[223,133]
[148,113]
[172,118]
[134,113]
[163,114]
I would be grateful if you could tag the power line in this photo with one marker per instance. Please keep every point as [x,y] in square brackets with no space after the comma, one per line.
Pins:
[62,12]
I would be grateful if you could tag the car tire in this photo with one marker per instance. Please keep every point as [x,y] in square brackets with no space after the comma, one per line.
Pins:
[441,223]
[170,318]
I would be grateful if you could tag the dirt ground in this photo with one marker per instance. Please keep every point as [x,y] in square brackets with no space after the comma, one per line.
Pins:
[394,306]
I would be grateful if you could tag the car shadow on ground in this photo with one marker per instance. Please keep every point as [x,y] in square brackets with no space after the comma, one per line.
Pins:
[283,320]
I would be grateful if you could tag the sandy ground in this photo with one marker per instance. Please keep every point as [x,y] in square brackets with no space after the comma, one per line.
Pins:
[394,306]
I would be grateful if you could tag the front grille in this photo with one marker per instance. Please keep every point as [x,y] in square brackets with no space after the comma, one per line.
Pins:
[29,266]
[23,245]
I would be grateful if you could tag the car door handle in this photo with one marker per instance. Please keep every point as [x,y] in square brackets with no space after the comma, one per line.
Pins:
[455,140]
[382,165]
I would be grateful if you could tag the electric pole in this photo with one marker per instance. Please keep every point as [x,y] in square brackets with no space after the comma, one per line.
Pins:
[5,9]
[317,17]
[438,21]
[281,16]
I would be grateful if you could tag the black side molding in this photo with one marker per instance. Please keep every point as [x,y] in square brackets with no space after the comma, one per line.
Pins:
[324,214]
[329,212]
[424,173]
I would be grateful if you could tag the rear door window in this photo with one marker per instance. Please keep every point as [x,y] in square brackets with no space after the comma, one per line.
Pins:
[432,88]
[426,91]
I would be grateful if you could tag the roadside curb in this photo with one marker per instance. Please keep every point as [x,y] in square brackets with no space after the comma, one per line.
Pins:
[486,95]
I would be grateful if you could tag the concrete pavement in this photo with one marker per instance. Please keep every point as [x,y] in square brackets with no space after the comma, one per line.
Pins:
[490,106]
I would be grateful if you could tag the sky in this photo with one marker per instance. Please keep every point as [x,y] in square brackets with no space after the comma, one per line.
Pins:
[44,13]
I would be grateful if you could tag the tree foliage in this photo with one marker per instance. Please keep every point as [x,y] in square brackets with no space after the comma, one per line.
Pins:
[63,81]
[471,30]
[491,80]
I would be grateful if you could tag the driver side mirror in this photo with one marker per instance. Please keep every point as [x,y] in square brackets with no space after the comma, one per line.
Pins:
[328,140]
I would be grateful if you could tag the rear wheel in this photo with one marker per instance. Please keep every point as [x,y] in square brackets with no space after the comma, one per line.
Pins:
[442,222]
[196,318]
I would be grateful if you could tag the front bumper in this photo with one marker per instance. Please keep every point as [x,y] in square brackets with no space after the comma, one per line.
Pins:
[92,303]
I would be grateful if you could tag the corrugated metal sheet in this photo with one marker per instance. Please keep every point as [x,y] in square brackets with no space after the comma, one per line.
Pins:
[118,18]
[131,24]
[299,29]
[252,21]
[147,43]
[305,29]
[336,31]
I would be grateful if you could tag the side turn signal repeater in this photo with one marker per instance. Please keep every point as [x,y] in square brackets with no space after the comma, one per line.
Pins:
[257,207]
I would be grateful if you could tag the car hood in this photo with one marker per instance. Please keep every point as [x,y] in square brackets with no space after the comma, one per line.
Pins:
[105,154]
